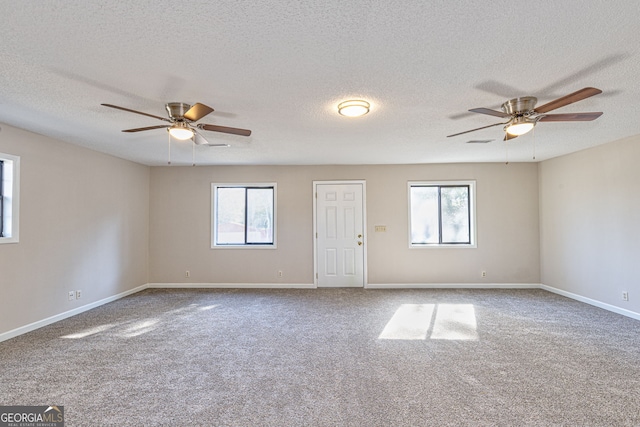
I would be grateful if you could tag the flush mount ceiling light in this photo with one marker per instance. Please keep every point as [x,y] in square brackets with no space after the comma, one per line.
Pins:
[181,131]
[353,108]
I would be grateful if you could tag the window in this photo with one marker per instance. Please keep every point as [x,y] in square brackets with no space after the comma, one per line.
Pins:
[244,215]
[9,192]
[1,198]
[442,214]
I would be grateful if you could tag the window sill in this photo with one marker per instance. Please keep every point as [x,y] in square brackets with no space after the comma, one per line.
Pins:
[444,246]
[244,247]
[6,240]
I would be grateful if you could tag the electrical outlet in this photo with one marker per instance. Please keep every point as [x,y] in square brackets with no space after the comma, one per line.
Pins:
[78,294]
[72,295]
[187,273]
[625,296]
[280,273]
[484,274]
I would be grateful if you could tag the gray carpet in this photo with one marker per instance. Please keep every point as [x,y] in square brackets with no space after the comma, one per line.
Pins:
[316,358]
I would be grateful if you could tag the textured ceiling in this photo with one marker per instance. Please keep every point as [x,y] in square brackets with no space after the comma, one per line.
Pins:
[280,68]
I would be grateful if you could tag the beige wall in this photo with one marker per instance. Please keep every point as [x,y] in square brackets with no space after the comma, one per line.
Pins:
[589,223]
[83,226]
[104,225]
[507,215]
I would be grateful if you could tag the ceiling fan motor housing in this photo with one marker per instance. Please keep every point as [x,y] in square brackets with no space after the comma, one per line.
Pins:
[520,106]
[177,110]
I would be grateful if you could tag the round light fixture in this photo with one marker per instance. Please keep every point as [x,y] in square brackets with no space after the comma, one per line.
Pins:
[353,108]
[519,126]
[181,131]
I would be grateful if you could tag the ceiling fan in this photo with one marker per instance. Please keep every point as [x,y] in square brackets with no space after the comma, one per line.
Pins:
[182,118]
[523,115]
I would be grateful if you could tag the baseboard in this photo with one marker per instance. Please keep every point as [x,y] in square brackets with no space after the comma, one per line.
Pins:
[593,302]
[232,285]
[58,317]
[452,286]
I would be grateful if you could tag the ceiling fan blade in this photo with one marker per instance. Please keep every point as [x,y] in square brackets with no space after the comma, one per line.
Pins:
[198,139]
[490,112]
[473,130]
[568,99]
[508,136]
[225,129]
[147,128]
[570,117]
[197,111]
[137,112]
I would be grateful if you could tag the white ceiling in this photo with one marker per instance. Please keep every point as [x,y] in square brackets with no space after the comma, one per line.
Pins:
[280,68]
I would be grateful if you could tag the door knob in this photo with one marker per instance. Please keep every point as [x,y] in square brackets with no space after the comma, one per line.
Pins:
[359,236]
[359,243]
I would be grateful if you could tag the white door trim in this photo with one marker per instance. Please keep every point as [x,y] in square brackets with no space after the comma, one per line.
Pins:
[364,225]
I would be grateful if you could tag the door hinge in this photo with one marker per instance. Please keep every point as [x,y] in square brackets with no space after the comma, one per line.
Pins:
[316,275]
[316,234]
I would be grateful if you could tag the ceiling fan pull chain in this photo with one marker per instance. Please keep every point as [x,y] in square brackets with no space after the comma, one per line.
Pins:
[506,151]
[193,152]
[169,162]
[533,132]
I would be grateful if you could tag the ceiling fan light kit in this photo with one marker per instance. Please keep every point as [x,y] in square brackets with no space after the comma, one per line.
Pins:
[523,115]
[181,131]
[519,126]
[353,108]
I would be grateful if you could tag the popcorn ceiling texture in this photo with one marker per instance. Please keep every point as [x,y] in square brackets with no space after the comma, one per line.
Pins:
[280,68]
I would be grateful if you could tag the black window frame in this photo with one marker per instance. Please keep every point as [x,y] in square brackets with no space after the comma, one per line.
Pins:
[470,216]
[246,189]
[1,198]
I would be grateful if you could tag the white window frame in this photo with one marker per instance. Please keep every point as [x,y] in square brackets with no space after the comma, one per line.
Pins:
[214,190]
[11,187]
[472,214]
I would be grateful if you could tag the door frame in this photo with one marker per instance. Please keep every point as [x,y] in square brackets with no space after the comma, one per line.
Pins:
[364,225]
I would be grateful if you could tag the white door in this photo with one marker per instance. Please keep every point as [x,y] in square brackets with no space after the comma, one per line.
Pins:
[339,235]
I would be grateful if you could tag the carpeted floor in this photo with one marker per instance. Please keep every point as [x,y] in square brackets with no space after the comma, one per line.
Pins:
[332,357]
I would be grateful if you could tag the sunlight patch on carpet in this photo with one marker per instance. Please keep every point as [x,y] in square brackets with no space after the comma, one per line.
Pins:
[414,322]
[140,328]
[455,322]
[89,332]
[409,322]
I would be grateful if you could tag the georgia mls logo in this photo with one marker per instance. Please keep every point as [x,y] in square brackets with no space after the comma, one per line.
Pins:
[31,416]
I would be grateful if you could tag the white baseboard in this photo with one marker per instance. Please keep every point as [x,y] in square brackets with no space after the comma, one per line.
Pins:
[232,285]
[58,317]
[49,320]
[593,302]
[453,286]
